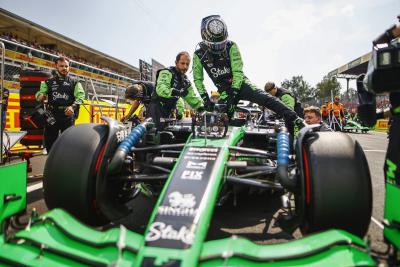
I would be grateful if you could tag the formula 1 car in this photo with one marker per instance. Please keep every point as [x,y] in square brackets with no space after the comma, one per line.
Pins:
[154,192]
[354,126]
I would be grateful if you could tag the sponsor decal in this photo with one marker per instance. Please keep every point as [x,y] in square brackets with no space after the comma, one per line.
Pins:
[121,135]
[179,205]
[200,154]
[216,72]
[204,149]
[196,165]
[192,175]
[173,226]
[57,95]
[160,230]
[176,199]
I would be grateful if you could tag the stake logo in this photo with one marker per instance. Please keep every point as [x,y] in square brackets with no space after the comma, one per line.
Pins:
[159,230]
[216,72]
[57,95]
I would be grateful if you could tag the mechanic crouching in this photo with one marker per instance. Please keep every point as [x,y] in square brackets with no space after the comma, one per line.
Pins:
[138,93]
[64,95]
[171,84]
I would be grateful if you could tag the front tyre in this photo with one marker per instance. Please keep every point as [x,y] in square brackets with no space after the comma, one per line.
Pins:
[69,176]
[336,191]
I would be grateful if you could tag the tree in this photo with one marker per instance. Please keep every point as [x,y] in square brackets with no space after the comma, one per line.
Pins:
[303,91]
[325,87]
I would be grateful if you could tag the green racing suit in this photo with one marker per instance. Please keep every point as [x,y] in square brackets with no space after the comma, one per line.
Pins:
[226,71]
[170,86]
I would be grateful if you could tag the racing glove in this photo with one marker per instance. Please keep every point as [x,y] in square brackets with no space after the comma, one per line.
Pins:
[200,109]
[299,123]
[208,105]
[185,86]
[231,102]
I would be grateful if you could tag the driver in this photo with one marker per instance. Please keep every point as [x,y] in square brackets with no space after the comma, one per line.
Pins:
[171,84]
[222,61]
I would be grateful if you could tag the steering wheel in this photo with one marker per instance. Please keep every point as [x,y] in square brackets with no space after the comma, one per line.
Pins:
[212,124]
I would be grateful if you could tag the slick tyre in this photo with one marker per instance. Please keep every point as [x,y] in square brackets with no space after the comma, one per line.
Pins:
[337,190]
[69,176]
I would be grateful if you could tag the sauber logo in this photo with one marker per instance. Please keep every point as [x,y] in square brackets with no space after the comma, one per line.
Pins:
[159,230]
[177,199]
[121,135]
[179,205]
[218,72]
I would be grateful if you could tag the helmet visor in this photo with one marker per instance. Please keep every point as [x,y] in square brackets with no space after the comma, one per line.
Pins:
[216,46]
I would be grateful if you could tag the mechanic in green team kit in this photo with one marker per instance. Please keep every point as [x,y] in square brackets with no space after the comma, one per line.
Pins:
[171,84]
[222,61]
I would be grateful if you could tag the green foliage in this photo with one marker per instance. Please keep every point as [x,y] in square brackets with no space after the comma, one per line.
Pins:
[300,88]
[325,87]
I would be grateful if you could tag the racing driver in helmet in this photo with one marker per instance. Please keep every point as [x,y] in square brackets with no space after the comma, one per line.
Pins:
[222,61]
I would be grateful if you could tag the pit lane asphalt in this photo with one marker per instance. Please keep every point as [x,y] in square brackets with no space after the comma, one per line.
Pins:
[258,223]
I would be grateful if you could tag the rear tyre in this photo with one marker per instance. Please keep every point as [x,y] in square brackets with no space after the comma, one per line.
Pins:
[337,188]
[70,172]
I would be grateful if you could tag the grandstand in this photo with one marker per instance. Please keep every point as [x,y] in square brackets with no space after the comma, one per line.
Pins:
[30,46]
[34,35]
[353,68]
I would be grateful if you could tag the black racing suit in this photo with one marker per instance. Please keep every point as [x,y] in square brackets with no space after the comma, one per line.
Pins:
[170,86]
[62,92]
[226,71]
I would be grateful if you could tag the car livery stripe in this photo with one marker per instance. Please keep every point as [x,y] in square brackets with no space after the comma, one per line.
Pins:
[175,223]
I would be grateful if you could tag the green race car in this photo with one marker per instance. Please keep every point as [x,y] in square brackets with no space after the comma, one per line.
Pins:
[144,197]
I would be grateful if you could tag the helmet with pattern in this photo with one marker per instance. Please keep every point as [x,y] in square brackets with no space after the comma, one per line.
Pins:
[214,33]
